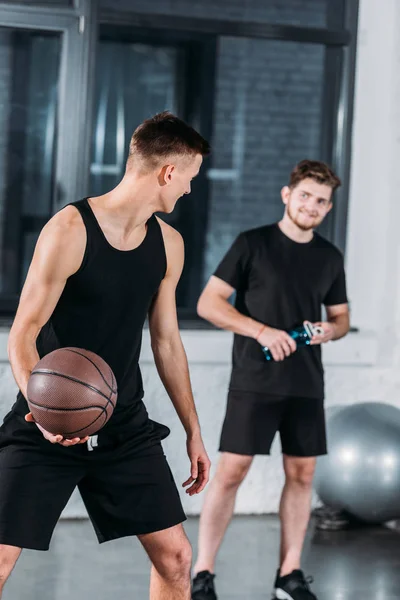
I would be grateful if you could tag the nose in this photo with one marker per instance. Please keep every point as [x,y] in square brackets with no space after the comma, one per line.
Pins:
[311,207]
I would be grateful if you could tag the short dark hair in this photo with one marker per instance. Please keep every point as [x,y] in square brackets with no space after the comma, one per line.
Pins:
[164,135]
[316,170]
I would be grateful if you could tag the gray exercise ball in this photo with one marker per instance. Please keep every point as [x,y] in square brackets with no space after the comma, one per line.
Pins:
[361,473]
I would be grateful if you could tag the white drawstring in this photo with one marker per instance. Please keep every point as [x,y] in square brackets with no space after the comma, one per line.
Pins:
[92,442]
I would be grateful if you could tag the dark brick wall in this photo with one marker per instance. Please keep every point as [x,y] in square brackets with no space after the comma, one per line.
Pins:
[267,118]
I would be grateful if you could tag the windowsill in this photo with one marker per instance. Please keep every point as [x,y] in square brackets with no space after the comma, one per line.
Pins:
[214,347]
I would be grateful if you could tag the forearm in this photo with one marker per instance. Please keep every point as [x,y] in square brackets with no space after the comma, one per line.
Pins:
[23,357]
[225,316]
[341,326]
[172,366]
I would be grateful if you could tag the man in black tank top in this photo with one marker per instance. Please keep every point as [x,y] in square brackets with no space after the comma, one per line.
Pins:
[100,267]
[282,274]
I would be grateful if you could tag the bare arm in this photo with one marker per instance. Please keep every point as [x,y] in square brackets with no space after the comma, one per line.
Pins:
[336,326]
[170,357]
[214,306]
[339,319]
[58,255]
[166,343]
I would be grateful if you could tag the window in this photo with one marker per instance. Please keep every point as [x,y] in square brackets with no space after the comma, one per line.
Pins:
[133,82]
[43,105]
[268,83]
[28,130]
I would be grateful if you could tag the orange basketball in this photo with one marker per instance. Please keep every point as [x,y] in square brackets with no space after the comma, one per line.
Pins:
[72,392]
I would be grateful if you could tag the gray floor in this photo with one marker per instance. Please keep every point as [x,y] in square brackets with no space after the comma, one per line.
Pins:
[353,565]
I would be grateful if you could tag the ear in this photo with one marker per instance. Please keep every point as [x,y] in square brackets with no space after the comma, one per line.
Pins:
[285,194]
[169,169]
[166,172]
[330,205]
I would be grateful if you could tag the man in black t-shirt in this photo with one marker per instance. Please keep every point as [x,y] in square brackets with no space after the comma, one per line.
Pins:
[282,274]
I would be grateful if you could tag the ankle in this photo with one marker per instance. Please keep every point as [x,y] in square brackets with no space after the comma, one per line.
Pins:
[201,567]
[288,567]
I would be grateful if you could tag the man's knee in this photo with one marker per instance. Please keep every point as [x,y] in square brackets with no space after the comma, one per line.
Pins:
[301,472]
[8,557]
[175,563]
[232,469]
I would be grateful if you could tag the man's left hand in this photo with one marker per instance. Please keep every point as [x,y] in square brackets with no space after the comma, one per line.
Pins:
[327,335]
[200,466]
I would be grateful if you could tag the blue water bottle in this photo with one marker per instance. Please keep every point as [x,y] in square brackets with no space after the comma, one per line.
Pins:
[302,336]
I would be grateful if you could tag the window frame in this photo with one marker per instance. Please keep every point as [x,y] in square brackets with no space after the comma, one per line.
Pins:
[79,26]
[74,102]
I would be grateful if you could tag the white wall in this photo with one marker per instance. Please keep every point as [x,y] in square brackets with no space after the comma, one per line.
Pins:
[365,366]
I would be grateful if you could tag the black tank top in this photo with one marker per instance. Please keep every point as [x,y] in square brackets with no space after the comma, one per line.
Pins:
[104,305]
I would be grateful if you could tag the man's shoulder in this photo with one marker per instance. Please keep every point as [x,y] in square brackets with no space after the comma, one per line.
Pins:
[65,225]
[170,234]
[324,244]
[174,247]
[61,244]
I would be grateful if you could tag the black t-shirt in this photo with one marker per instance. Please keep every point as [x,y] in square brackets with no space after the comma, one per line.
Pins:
[281,283]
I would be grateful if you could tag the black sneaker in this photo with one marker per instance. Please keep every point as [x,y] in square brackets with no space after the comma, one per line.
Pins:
[293,587]
[203,586]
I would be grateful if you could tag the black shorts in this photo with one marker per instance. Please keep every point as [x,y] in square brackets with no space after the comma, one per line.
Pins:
[252,421]
[126,485]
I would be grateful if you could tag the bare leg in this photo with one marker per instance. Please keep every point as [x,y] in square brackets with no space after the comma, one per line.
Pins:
[8,557]
[295,510]
[218,507]
[171,555]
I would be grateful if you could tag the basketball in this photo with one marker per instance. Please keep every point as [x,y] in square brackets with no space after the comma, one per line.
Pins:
[72,392]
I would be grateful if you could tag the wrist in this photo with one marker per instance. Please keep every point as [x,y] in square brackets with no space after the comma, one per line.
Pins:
[333,332]
[259,331]
[193,432]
